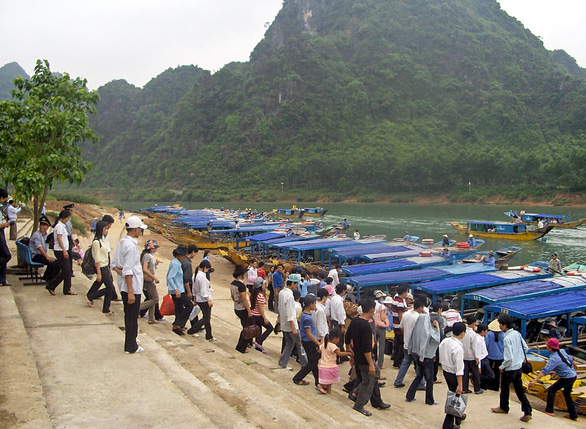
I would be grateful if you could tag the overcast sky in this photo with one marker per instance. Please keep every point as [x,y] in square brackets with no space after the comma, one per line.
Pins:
[136,40]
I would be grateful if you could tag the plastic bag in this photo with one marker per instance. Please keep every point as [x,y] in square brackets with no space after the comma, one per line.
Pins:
[167,306]
[194,312]
[456,404]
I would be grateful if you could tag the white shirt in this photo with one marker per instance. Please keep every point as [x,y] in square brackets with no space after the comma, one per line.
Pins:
[337,311]
[320,320]
[468,343]
[201,287]
[127,258]
[287,309]
[451,356]
[407,323]
[11,212]
[252,272]
[480,349]
[334,275]
[61,230]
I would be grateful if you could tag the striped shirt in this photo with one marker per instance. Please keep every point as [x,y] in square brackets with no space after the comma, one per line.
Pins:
[261,300]
[397,309]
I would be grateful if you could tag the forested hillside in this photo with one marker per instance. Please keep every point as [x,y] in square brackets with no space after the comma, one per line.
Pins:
[355,96]
[8,73]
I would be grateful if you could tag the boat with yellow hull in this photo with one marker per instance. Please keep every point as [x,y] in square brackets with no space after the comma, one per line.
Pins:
[501,230]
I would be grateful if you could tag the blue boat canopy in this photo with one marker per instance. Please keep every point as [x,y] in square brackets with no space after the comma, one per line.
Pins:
[543,306]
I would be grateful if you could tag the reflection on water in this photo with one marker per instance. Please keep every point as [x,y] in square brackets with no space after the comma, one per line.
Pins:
[431,221]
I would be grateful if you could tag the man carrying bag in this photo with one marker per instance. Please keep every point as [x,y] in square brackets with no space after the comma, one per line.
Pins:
[451,355]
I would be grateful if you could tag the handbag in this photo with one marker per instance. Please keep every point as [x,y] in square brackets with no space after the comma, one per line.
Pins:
[167,306]
[455,404]
[380,322]
[526,367]
[250,332]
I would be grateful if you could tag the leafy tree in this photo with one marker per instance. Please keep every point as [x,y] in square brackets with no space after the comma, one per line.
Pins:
[39,132]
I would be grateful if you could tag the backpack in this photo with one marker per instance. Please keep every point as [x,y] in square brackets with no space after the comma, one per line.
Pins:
[88,266]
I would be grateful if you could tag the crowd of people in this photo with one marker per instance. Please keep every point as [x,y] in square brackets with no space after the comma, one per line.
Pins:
[317,315]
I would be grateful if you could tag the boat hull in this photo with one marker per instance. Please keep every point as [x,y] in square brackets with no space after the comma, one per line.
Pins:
[522,236]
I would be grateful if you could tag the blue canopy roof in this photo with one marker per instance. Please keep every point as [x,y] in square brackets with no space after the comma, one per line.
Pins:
[386,256]
[413,275]
[265,236]
[354,251]
[477,281]
[543,306]
[516,291]
[325,243]
[393,265]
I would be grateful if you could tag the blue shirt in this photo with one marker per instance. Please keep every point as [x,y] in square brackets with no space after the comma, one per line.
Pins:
[472,242]
[306,321]
[514,351]
[175,277]
[303,288]
[494,348]
[277,280]
[556,364]
[489,261]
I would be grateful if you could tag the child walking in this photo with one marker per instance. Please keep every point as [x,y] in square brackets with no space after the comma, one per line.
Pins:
[310,343]
[328,370]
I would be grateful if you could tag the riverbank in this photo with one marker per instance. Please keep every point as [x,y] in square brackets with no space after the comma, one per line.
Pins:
[64,366]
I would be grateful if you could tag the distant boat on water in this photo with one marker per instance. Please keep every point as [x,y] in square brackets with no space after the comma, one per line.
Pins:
[313,211]
[559,221]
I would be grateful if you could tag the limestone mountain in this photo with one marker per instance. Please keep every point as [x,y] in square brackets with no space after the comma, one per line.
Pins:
[357,96]
[8,73]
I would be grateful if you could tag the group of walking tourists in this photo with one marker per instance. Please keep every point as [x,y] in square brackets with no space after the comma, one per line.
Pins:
[320,324]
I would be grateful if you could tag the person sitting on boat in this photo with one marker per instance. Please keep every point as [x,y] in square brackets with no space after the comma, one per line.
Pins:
[319,224]
[489,261]
[345,223]
[356,235]
[407,236]
[555,265]
[540,223]
[446,241]
[553,332]
[471,241]
[446,254]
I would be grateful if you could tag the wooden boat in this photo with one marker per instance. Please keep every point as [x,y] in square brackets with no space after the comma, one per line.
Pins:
[500,256]
[559,221]
[313,211]
[501,230]
[291,213]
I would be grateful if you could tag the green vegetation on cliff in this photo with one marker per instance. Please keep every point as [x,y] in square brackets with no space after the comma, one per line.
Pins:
[347,96]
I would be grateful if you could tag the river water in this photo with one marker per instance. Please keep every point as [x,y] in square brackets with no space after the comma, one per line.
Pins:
[431,221]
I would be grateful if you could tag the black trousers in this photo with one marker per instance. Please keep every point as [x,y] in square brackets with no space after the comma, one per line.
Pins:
[398,350]
[258,320]
[487,374]
[470,367]
[183,307]
[64,274]
[514,377]
[452,382]
[244,321]
[52,267]
[130,322]
[423,369]
[566,384]
[5,256]
[271,297]
[366,387]
[206,312]
[496,381]
[108,291]
[312,358]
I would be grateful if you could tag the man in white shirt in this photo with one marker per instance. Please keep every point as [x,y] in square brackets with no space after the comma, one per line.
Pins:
[288,316]
[471,357]
[407,323]
[451,355]
[337,314]
[319,315]
[335,275]
[126,262]
[12,214]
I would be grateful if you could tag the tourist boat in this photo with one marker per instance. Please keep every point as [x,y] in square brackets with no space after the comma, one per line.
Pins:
[501,230]
[291,213]
[500,256]
[559,221]
[313,211]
